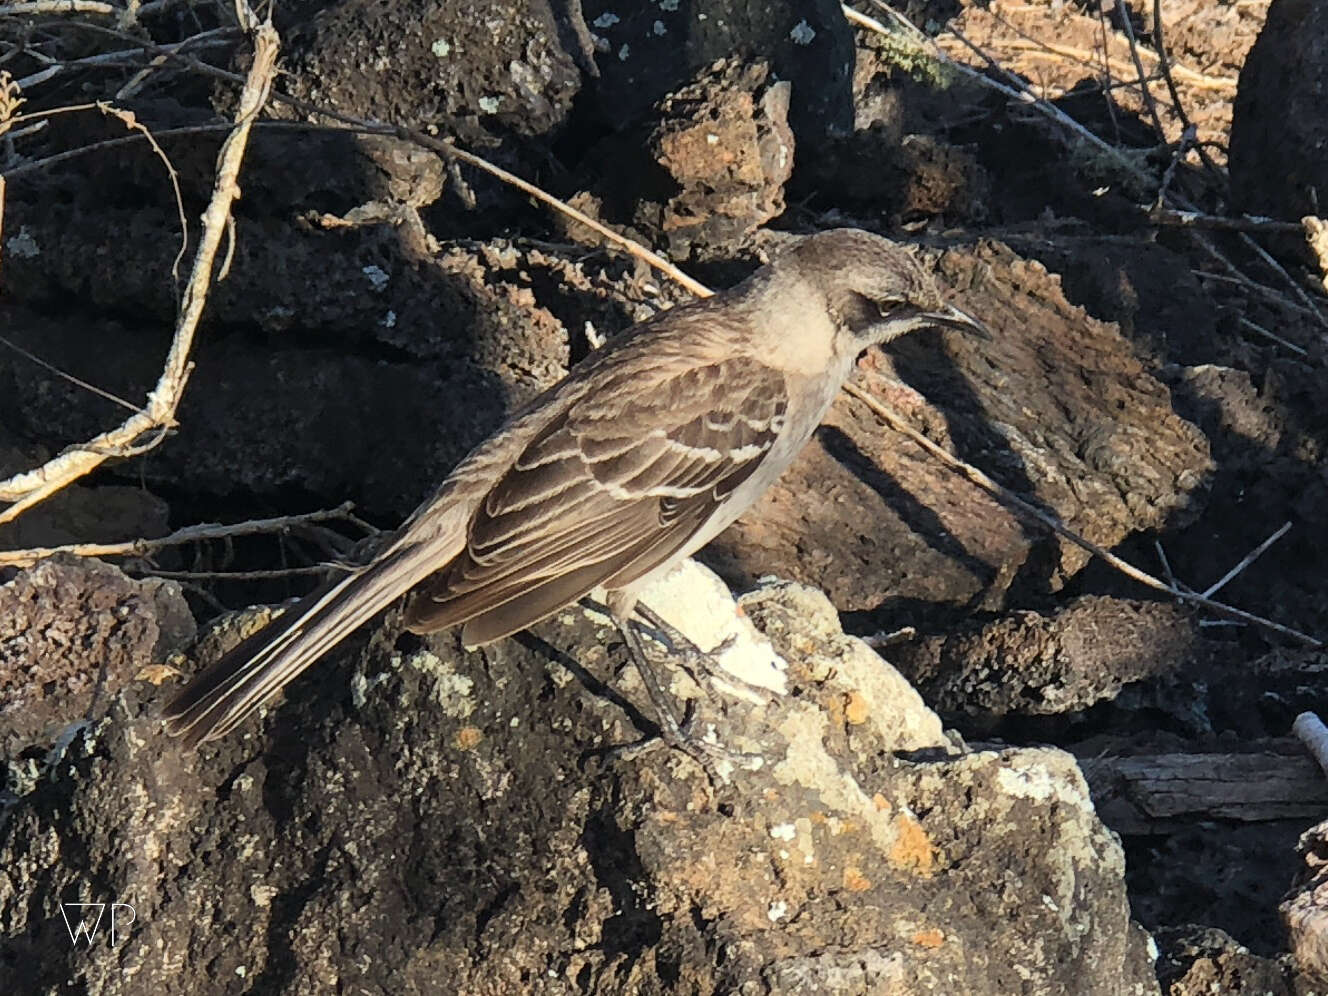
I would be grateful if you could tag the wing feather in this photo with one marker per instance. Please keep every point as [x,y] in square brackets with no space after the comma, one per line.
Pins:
[607,492]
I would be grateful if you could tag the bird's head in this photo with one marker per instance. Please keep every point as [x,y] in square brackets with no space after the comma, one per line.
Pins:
[874,289]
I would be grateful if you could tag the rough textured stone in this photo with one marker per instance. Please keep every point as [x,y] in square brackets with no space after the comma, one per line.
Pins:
[1277,125]
[479,70]
[646,49]
[454,816]
[1029,663]
[707,172]
[1201,961]
[72,634]
[1306,909]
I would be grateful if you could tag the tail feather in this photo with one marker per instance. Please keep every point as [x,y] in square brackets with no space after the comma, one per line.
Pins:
[233,688]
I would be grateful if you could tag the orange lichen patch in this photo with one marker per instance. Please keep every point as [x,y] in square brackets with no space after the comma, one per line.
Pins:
[158,673]
[856,710]
[834,707]
[855,881]
[913,850]
[881,803]
[468,738]
[930,938]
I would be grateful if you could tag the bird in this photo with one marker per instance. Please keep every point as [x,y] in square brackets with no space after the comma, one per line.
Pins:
[641,455]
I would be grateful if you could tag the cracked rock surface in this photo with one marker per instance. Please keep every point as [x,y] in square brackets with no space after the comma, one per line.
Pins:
[455,817]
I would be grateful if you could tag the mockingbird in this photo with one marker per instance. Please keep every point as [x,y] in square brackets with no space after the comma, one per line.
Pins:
[635,460]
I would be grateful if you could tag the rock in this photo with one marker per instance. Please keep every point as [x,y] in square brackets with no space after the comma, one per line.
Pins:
[893,165]
[1278,131]
[480,71]
[1243,426]
[645,49]
[1029,663]
[904,180]
[1199,961]
[72,633]
[1305,911]
[431,804]
[708,169]
[1150,291]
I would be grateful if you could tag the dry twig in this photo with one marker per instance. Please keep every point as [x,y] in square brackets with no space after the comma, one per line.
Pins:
[87,7]
[1309,729]
[1249,558]
[1216,222]
[1009,498]
[190,534]
[1258,329]
[27,489]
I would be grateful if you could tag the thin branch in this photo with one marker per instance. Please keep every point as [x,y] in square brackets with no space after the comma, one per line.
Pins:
[275,574]
[447,150]
[1234,276]
[130,121]
[60,7]
[27,489]
[86,7]
[1309,729]
[190,534]
[1280,270]
[208,39]
[1197,219]
[60,373]
[1010,499]
[1250,558]
[1164,63]
[1258,329]
[1166,564]
[1140,73]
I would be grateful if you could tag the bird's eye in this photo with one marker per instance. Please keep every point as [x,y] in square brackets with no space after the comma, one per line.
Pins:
[886,305]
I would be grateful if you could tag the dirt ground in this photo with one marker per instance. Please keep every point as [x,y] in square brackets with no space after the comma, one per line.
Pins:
[318,383]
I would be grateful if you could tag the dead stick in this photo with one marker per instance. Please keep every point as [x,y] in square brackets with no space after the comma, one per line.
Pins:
[27,489]
[1009,498]
[1309,729]
[189,534]
[1197,219]
[1250,558]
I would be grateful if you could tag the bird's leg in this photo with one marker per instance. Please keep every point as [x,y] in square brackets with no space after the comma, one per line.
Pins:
[670,727]
[672,732]
[688,655]
[684,652]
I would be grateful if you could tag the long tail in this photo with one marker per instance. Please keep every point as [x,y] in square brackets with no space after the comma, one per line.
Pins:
[224,695]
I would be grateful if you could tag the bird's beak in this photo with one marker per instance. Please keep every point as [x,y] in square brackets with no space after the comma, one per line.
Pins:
[955,318]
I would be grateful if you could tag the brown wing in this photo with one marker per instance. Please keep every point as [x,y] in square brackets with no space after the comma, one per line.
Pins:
[606,492]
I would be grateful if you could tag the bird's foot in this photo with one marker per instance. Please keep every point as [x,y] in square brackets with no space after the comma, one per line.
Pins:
[716,760]
[680,735]
[702,666]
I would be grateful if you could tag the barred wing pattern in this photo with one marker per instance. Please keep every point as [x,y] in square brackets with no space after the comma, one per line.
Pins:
[605,494]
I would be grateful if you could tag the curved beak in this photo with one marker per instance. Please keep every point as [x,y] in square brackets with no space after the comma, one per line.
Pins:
[956,318]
